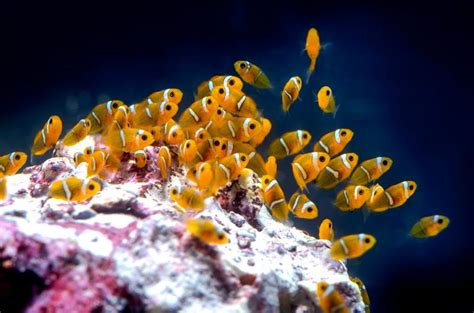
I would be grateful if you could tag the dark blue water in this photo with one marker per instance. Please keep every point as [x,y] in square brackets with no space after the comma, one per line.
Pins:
[402,75]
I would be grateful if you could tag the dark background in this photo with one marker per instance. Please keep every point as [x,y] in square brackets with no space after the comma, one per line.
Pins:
[402,73]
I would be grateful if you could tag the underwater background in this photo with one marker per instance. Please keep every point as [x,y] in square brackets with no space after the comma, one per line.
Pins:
[402,74]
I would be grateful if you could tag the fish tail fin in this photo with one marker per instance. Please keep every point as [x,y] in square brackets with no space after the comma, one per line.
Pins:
[263,82]
[326,45]
[365,213]
[310,71]
[335,111]
[32,157]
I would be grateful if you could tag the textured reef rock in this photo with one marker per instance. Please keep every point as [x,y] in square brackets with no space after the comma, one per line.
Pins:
[127,249]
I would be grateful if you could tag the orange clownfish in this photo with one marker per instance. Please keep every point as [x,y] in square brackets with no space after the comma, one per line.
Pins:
[155,114]
[351,198]
[252,74]
[202,175]
[96,163]
[164,161]
[238,129]
[337,170]
[326,100]
[173,134]
[330,300]
[260,137]
[198,113]
[201,135]
[122,117]
[363,292]
[102,115]
[306,167]
[334,142]
[302,207]
[313,46]
[429,226]
[187,151]
[3,186]
[271,166]
[371,170]
[235,102]
[46,138]
[290,143]
[326,230]
[11,163]
[274,198]
[206,231]
[290,93]
[352,246]
[77,133]
[187,198]
[73,189]
[173,95]
[141,158]
[392,197]
[206,87]
[128,140]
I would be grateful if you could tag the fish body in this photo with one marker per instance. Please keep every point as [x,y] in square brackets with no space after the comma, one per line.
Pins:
[206,87]
[235,102]
[206,231]
[141,158]
[290,92]
[429,226]
[306,167]
[96,163]
[274,198]
[312,47]
[128,140]
[3,186]
[334,142]
[11,163]
[326,100]
[202,174]
[379,201]
[77,133]
[330,300]
[155,114]
[289,144]
[46,138]
[363,292]
[187,198]
[257,139]
[252,74]
[352,197]
[164,161]
[237,128]
[337,170]
[102,115]
[271,166]
[352,246]
[401,192]
[371,170]
[198,113]
[187,151]
[172,132]
[73,189]
[326,230]
[302,207]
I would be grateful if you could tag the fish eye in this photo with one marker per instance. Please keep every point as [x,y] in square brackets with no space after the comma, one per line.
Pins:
[412,187]
[201,136]
[242,65]
[203,169]
[323,288]
[50,121]
[144,137]
[351,158]
[361,192]
[219,112]
[328,92]
[17,157]
[231,82]
[252,126]
[367,240]
[172,94]
[322,158]
[153,132]
[266,181]
[115,105]
[224,146]
[168,107]
[305,136]
[188,145]
[343,133]
[174,191]
[310,210]
[440,221]
[385,162]
[298,80]
[88,123]
[174,134]
[243,158]
[216,143]
[91,187]
[220,237]
[330,225]
[221,90]
[209,101]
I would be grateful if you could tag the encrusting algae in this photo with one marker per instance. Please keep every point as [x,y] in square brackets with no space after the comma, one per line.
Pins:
[216,141]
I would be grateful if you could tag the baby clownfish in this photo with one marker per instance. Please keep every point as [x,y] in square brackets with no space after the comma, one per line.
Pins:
[187,198]
[77,133]
[337,170]
[352,246]
[330,300]
[352,198]
[122,117]
[3,186]
[271,166]
[202,174]
[302,207]
[429,226]
[371,170]
[46,138]
[378,200]
[334,142]
[363,292]
[141,158]
[313,46]
[201,135]
[326,230]
[235,102]
[11,163]
[73,189]
[206,87]
[157,133]
[233,165]
[128,140]
[96,163]
[173,95]
[392,197]
[274,198]
[206,231]
[289,144]
[155,114]
[238,129]
[102,115]
[173,134]
[260,137]
[164,161]
[187,151]
[252,74]
[258,165]
[306,167]
[326,100]
[198,113]
[290,93]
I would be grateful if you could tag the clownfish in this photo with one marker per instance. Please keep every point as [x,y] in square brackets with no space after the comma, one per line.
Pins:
[202,175]
[122,117]
[257,139]
[206,231]
[363,292]
[235,102]
[326,101]
[274,198]
[258,165]
[392,197]
[198,113]
[302,207]
[73,189]
[155,114]
[46,138]
[141,158]
[206,87]
[164,161]
[237,128]
[326,230]
[157,133]
[334,142]
[290,143]
[11,163]
[128,140]
[306,167]
[102,115]
[352,246]
[352,197]
[312,47]
[201,135]
[3,186]
[172,132]
[371,170]
[252,74]
[330,300]
[187,151]
[337,170]
[271,166]
[77,133]
[233,164]
[290,92]
[173,95]
[429,226]
[96,163]
[187,198]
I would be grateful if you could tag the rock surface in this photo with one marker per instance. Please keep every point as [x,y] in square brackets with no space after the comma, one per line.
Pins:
[127,249]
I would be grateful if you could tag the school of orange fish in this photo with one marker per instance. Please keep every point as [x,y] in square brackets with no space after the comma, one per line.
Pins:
[217,138]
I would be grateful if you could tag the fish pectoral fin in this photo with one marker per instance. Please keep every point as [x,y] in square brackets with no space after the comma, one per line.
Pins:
[335,111]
